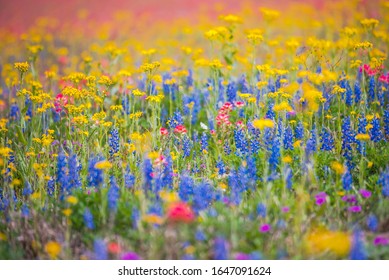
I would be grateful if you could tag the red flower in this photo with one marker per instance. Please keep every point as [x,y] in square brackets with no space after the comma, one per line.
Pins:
[180,129]
[163,131]
[60,102]
[180,212]
[114,248]
[239,104]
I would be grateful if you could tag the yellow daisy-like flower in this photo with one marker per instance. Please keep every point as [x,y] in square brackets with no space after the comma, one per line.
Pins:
[53,249]
[324,241]
[104,164]
[262,123]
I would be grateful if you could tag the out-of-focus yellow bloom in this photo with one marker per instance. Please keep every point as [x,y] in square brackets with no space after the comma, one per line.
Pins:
[53,249]
[103,165]
[323,241]
[262,123]
[338,167]
[362,137]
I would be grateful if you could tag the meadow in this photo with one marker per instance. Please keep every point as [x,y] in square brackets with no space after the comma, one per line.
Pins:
[248,134]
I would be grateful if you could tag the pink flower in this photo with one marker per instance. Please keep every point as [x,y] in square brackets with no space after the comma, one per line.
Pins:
[355,209]
[285,209]
[60,102]
[180,129]
[265,228]
[180,212]
[380,240]
[239,104]
[321,198]
[163,131]
[130,256]
[365,193]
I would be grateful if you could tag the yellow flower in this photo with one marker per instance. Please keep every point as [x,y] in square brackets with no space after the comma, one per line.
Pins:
[53,249]
[3,237]
[262,123]
[153,219]
[169,196]
[324,241]
[369,23]
[72,200]
[269,15]
[337,89]
[22,67]
[362,137]
[116,107]
[103,165]
[338,167]
[67,212]
[287,159]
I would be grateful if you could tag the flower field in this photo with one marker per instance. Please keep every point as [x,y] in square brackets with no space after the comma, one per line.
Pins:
[250,132]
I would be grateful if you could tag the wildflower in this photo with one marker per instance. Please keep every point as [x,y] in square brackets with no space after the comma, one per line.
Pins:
[347,181]
[372,222]
[220,249]
[100,250]
[180,212]
[114,142]
[180,129]
[129,256]
[288,139]
[355,209]
[375,132]
[326,140]
[22,67]
[265,228]
[365,193]
[88,219]
[95,173]
[322,240]
[321,198]
[163,131]
[262,123]
[358,251]
[53,249]
[113,194]
[381,241]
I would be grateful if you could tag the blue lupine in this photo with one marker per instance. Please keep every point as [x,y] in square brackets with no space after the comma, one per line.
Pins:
[372,222]
[361,145]
[347,181]
[326,140]
[167,179]
[100,250]
[129,178]
[386,123]
[113,194]
[88,219]
[202,196]
[14,113]
[185,188]
[25,211]
[114,142]
[148,174]
[358,250]
[288,139]
[186,146]
[95,175]
[275,154]
[375,131]
[240,142]
[384,182]
[221,167]
[261,210]
[231,92]
[311,143]
[357,92]
[220,249]
[227,148]
[204,142]
[27,190]
[299,131]
[199,235]
[348,138]
[62,172]
[50,187]
[254,146]
[74,172]
[371,90]
[288,178]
